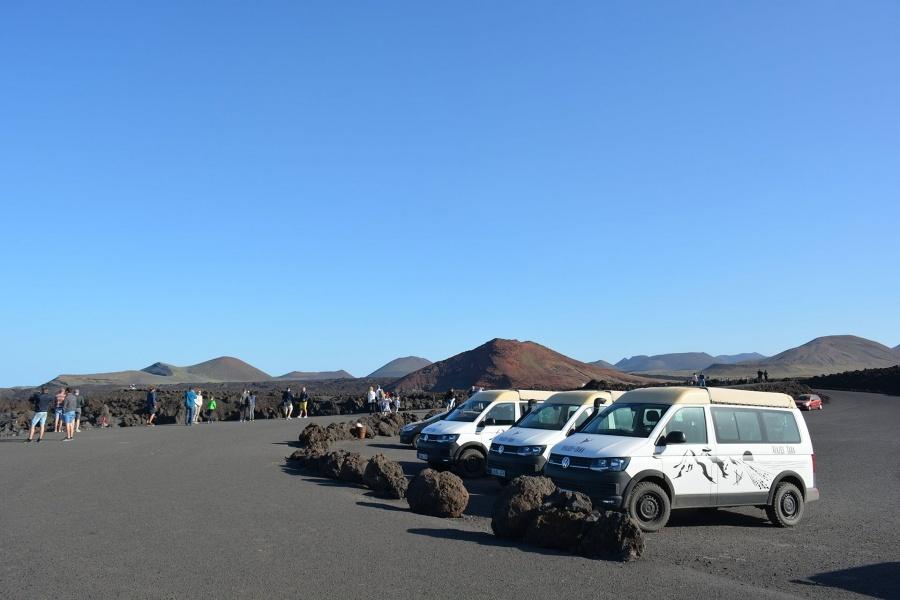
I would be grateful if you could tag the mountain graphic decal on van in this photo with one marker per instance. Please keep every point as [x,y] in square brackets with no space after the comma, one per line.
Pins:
[731,469]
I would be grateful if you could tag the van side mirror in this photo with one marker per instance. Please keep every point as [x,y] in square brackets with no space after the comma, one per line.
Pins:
[675,437]
[570,432]
[487,422]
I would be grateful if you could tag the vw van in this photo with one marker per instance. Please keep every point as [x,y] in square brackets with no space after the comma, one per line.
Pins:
[658,449]
[524,448]
[461,440]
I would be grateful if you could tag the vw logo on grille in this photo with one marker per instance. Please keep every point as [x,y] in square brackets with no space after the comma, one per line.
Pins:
[500,449]
[564,463]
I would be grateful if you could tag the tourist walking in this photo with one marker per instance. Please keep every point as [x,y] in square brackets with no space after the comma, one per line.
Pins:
[190,398]
[766,376]
[287,403]
[152,406]
[303,404]
[695,380]
[370,399]
[41,406]
[379,398]
[702,380]
[396,401]
[70,403]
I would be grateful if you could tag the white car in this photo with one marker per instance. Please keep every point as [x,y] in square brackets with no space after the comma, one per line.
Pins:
[657,449]
[462,439]
[524,448]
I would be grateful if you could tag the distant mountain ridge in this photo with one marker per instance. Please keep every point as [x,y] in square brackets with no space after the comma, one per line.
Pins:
[823,355]
[222,369]
[680,361]
[399,367]
[503,363]
[315,375]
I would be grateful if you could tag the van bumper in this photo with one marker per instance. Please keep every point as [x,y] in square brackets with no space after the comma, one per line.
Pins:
[436,452]
[604,489]
[514,465]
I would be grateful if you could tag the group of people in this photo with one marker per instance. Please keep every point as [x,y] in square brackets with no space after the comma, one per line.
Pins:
[698,380]
[67,406]
[287,404]
[381,401]
[193,404]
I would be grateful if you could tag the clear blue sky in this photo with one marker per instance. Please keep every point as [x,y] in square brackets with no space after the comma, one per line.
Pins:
[320,185]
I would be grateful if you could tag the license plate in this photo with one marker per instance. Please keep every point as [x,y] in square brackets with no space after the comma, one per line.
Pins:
[421,456]
[497,472]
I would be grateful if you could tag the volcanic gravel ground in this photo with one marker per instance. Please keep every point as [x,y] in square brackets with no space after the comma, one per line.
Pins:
[213,511]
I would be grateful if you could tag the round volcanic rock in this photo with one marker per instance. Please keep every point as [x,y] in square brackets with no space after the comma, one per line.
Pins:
[612,535]
[437,494]
[353,468]
[518,503]
[385,477]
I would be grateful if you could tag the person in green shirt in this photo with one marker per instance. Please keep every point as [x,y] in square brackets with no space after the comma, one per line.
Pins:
[210,409]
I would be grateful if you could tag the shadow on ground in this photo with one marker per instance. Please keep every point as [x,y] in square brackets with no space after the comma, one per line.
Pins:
[878,580]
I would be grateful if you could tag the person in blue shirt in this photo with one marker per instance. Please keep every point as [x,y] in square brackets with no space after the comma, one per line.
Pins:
[190,397]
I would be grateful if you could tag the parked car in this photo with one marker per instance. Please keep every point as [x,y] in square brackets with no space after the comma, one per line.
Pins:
[656,449]
[461,440]
[809,402]
[409,434]
[523,449]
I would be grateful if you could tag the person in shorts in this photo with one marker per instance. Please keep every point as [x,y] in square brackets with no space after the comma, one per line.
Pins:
[151,406]
[58,410]
[302,403]
[41,406]
[287,403]
[70,403]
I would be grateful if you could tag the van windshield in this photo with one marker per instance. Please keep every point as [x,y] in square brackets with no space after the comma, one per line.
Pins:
[629,420]
[552,417]
[469,410]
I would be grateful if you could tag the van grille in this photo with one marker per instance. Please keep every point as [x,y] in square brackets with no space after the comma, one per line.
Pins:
[577,462]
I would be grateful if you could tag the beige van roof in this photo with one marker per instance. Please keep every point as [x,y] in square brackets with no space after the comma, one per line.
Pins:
[584,397]
[699,395]
[510,395]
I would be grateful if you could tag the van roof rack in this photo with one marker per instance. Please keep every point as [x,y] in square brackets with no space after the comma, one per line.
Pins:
[711,395]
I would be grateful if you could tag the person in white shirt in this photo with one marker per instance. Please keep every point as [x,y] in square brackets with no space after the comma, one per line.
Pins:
[370,398]
[198,402]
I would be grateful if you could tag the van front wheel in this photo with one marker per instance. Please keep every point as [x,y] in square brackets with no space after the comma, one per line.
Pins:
[471,463]
[786,509]
[649,505]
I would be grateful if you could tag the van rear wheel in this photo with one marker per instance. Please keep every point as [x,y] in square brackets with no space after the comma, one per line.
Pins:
[649,506]
[786,509]
[471,463]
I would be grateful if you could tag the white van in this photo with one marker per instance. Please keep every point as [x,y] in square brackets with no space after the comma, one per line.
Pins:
[524,448]
[462,439]
[686,447]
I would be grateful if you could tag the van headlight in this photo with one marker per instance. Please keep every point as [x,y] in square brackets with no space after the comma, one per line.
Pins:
[531,450]
[443,438]
[609,464]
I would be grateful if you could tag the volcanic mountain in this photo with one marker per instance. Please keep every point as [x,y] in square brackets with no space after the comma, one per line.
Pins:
[680,361]
[603,364]
[510,364]
[823,355]
[399,367]
[222,369]
[315,375]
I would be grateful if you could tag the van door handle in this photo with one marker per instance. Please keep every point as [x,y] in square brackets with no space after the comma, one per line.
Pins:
[706,449]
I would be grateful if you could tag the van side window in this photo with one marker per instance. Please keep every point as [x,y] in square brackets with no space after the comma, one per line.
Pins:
[735,425]
[781,428]
[690,420]
[503,414]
